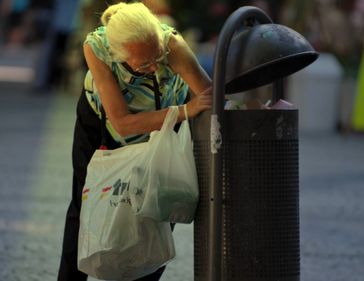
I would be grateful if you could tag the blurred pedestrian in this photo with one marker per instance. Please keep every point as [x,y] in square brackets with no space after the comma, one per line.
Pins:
[50,68]
[14,15]
[357,18]
[137,68]
[161,8]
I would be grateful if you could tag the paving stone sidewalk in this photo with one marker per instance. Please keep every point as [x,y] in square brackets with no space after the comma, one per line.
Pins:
[35,187]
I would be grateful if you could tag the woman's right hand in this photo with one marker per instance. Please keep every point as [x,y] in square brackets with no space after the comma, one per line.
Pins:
[199,103]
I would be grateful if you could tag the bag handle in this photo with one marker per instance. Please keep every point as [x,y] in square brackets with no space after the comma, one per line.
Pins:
[185,111]
[172,116]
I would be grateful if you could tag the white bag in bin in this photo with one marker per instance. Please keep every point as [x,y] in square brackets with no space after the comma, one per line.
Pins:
[114,243]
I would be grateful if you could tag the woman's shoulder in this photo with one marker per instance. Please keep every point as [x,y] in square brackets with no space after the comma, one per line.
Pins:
[176,43]
[99,44]
[99,35]
[167,28]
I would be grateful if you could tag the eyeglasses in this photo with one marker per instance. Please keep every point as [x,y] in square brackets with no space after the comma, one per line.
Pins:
[156,61]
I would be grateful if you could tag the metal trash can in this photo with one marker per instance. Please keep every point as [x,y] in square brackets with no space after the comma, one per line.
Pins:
[247,222]
[260,211]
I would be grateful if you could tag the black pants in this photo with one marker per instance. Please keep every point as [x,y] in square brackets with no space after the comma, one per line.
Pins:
[87,138]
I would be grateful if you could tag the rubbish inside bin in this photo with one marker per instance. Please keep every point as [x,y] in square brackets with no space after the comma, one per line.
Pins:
[282,104]
[250,104]
[234,105]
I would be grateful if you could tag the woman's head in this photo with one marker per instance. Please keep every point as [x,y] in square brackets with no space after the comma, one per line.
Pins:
[128,24]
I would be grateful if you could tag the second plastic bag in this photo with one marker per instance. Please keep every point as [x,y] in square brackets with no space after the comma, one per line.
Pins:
[166,189]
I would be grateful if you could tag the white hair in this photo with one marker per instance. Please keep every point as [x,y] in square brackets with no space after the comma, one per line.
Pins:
[126,23]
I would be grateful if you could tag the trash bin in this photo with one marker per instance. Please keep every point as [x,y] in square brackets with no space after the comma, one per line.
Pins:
[247,221]
[260,211]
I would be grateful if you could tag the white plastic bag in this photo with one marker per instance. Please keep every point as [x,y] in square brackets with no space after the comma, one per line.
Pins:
[115,244]
[166,187]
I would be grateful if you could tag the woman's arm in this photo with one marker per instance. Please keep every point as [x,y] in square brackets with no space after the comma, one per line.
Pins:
[114,104]
[116,107]
[184,62]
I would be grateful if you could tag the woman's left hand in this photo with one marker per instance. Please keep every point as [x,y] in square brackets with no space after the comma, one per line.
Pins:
[200,102]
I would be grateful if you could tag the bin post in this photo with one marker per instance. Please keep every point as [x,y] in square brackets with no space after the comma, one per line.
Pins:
[215,256]
[219,72]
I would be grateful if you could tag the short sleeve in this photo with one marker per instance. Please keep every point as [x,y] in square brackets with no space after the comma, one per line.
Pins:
[168,30]
[99,44]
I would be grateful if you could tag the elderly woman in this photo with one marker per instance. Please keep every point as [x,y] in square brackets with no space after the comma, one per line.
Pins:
[137,68]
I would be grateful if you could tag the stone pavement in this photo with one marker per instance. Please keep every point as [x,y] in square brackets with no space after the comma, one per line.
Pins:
[35,187]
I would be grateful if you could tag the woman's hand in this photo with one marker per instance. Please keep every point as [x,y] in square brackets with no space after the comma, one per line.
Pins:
[199,103]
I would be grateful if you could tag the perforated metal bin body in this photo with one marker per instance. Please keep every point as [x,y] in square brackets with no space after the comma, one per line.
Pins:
[260,196]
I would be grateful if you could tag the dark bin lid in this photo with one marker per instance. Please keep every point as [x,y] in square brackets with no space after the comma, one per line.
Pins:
[261,54]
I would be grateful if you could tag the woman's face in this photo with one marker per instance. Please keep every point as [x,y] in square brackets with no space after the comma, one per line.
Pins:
[145,57]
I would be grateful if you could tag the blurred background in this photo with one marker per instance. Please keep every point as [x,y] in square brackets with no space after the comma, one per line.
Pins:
[41,77]
[41,44]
